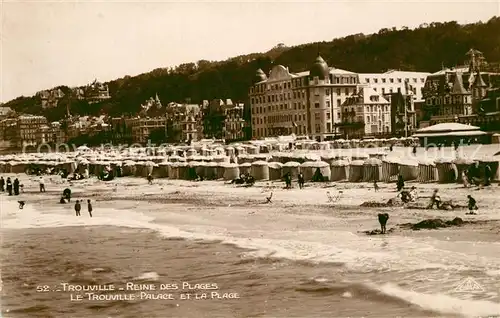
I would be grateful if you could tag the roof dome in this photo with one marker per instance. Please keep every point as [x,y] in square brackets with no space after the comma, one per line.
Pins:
[259,76]
[319,69]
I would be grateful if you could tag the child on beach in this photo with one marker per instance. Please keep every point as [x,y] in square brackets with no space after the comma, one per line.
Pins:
[89,206]
[78,207]
[472,205]
[375,185]
[435,199]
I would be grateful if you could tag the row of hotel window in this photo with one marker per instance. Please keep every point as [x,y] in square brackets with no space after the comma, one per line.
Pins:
[460,99]
[391,80]
[297,94]
[299,82]
[317,117]
[301,129]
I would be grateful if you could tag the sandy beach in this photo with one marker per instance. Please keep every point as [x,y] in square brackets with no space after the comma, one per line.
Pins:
[298,256]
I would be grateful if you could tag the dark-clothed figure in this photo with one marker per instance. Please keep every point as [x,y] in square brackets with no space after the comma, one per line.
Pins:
[301,180]
[435,199]
[16,186]
[375,185]
[78,208]
[89,207]
[9,186]
[21,204]
[288,180]
[150,179]
[390,148]
[400,183]
[62,200]
[67,194]
[2,184]
[487,175]
[472,205]
[414,150]
[382,219]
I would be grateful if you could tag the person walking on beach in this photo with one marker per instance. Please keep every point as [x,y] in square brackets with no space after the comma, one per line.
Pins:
[2,184]
[150,179]
[89,207]
[16,186]
[472,205]
[435,199]
[42,184]
[9,186]
[301,180]
[78,207]
[414,151]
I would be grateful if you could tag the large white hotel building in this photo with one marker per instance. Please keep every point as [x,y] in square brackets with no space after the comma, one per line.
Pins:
[310,103]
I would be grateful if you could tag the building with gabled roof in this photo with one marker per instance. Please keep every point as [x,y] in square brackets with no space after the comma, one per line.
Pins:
[455,94]
[366,113]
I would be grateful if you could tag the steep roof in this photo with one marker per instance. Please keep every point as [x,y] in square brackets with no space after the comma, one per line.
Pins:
[458,85]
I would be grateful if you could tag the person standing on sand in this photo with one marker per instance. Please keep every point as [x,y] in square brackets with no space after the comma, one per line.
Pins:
[382,219]
[472,205]
[301,180]
[89,207]
[9,186]
[487,175]
[414,150]
[400,183]
[78,207]
[150,179]
[42,184]
[2,184]
[16,186]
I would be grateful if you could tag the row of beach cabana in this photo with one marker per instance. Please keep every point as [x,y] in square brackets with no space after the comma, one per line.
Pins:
[333,167]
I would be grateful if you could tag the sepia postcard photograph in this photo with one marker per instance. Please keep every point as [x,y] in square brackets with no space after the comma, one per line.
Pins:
[249,159]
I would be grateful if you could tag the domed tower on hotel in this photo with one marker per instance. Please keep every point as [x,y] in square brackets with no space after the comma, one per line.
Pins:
[305,103]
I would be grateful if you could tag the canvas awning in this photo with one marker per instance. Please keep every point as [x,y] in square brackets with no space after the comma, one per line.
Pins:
[451,134]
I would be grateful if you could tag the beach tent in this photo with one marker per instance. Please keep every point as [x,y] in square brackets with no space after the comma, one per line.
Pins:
[372,169]
[339,170]
[447,172]
[245,168]
[309,168]
[408,168]
[390,169]
[291,167]
[427,171]
[260,170]
[275,170]
[231,171]
[462,164]
[356,171]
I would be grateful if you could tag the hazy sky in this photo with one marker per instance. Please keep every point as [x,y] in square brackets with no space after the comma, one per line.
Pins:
[45,44]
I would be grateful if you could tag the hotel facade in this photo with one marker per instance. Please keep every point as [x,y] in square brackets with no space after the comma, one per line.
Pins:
[324,101]
[305,103]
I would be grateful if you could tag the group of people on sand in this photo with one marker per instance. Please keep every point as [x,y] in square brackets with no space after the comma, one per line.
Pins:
[66,198]
[288,180]
[11,187]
